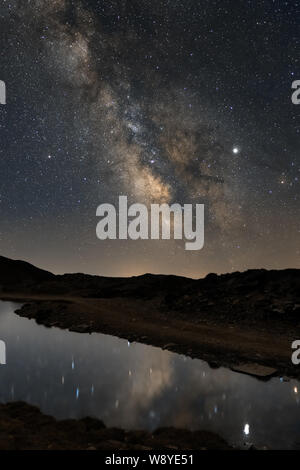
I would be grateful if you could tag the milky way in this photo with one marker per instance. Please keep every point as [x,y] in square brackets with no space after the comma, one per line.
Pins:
[162,101]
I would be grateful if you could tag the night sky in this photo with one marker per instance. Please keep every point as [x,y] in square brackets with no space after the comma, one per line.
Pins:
[163,101]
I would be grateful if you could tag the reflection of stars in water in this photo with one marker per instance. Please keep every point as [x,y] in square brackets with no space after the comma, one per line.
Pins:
[246,429]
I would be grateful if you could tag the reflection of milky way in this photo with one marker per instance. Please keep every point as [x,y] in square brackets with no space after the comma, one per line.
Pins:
[138,387]
[148,99]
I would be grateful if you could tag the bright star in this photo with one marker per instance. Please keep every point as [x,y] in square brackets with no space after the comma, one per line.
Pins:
[235,150]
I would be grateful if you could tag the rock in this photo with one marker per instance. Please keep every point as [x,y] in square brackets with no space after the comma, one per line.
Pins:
[115,445]
[254,369]
[285,379]
[19,423]
[80,328]
[169,346]
[140,447]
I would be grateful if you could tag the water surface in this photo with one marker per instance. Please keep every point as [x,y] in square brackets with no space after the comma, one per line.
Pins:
[72,375]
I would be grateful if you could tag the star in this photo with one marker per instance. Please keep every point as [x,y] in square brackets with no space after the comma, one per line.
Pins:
[156,122]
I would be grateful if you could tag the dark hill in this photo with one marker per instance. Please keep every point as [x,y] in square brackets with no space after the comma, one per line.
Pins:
[14,273]
[252,295]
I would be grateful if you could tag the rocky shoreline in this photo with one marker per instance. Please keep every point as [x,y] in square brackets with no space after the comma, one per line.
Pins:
[246,321]
[247,350]
[24,427]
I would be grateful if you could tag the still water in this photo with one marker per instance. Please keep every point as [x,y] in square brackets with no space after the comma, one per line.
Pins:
[72,375]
